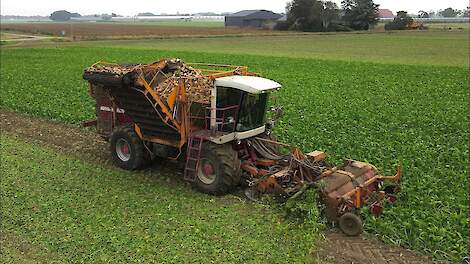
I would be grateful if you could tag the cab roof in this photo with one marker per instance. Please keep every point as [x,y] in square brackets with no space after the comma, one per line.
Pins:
[249,84]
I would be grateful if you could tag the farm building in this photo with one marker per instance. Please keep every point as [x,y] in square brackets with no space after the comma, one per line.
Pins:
[386,13]
[251,18]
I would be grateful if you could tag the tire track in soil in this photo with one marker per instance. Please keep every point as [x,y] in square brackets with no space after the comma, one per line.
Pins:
[81,143]
[86,145]
[366,249]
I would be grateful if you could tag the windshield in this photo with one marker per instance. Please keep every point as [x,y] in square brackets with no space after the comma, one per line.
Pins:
[252,112]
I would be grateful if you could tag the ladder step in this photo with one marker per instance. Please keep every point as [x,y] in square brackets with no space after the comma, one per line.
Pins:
[193,157]
[191,179]
[193,148]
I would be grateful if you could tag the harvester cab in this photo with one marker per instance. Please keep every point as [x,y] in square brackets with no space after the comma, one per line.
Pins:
[214,118]
[238,107]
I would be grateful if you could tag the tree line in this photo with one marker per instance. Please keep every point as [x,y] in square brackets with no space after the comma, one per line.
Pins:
[324,16]
[64,15]
[448,12]
[404,21]
[319,15]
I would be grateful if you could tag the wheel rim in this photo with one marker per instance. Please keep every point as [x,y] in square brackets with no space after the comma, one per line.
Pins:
[351,225]
[123,150]
[206,172]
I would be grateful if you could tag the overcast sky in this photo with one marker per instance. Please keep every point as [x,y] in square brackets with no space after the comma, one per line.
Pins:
[132,7]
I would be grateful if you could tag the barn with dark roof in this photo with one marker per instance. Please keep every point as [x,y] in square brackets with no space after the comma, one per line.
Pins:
[251,18]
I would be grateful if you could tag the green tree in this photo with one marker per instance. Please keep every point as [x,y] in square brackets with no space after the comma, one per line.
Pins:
[423,14]
[300,15]
[61,15]
[329,14]
[466,12]
[360,14]
[146,14]
[449,12]
[311,15]
[400,22]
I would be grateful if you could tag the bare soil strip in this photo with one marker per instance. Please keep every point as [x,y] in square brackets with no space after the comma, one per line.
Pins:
[73,140]
[94,31]
[23,251]
[340,249]
[87,145]
[59,136]
[22,37]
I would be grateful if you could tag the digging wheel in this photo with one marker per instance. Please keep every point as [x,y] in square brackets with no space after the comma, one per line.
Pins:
[127,149]
[350,224]
[219,169]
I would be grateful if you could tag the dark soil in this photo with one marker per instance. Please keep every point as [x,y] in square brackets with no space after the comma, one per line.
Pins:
[91,31]
[340,249]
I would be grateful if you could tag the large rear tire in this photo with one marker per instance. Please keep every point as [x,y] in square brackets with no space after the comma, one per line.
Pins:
[127,149]
[219,169]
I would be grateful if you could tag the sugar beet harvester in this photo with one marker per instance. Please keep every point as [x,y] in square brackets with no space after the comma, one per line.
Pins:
[214,117]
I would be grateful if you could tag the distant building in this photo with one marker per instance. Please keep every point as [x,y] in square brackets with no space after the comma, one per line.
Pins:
[251,18]
[92,18]
[282,19]
[386,13]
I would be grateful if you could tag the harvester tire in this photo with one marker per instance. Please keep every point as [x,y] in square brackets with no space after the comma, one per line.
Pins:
[219,169]
[351,224]
[127,149]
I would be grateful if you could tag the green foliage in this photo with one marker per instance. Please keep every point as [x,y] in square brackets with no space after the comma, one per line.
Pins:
[449,12]
[400,22]
[63,15]
[304,208]
[360,14]
[423,14]
[69,211]
[466,12]
[311,16]
[378,113]
[146,14]
[318,15]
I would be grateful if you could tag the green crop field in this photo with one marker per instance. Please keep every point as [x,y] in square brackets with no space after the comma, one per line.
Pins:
[68,211]
[411,106]
[447,26]
[415,47]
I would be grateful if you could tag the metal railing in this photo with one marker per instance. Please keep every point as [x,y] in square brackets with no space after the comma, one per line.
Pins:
[225,119]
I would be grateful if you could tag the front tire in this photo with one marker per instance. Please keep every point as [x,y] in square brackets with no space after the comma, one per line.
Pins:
[127,149]
[351,224]
[219,169]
